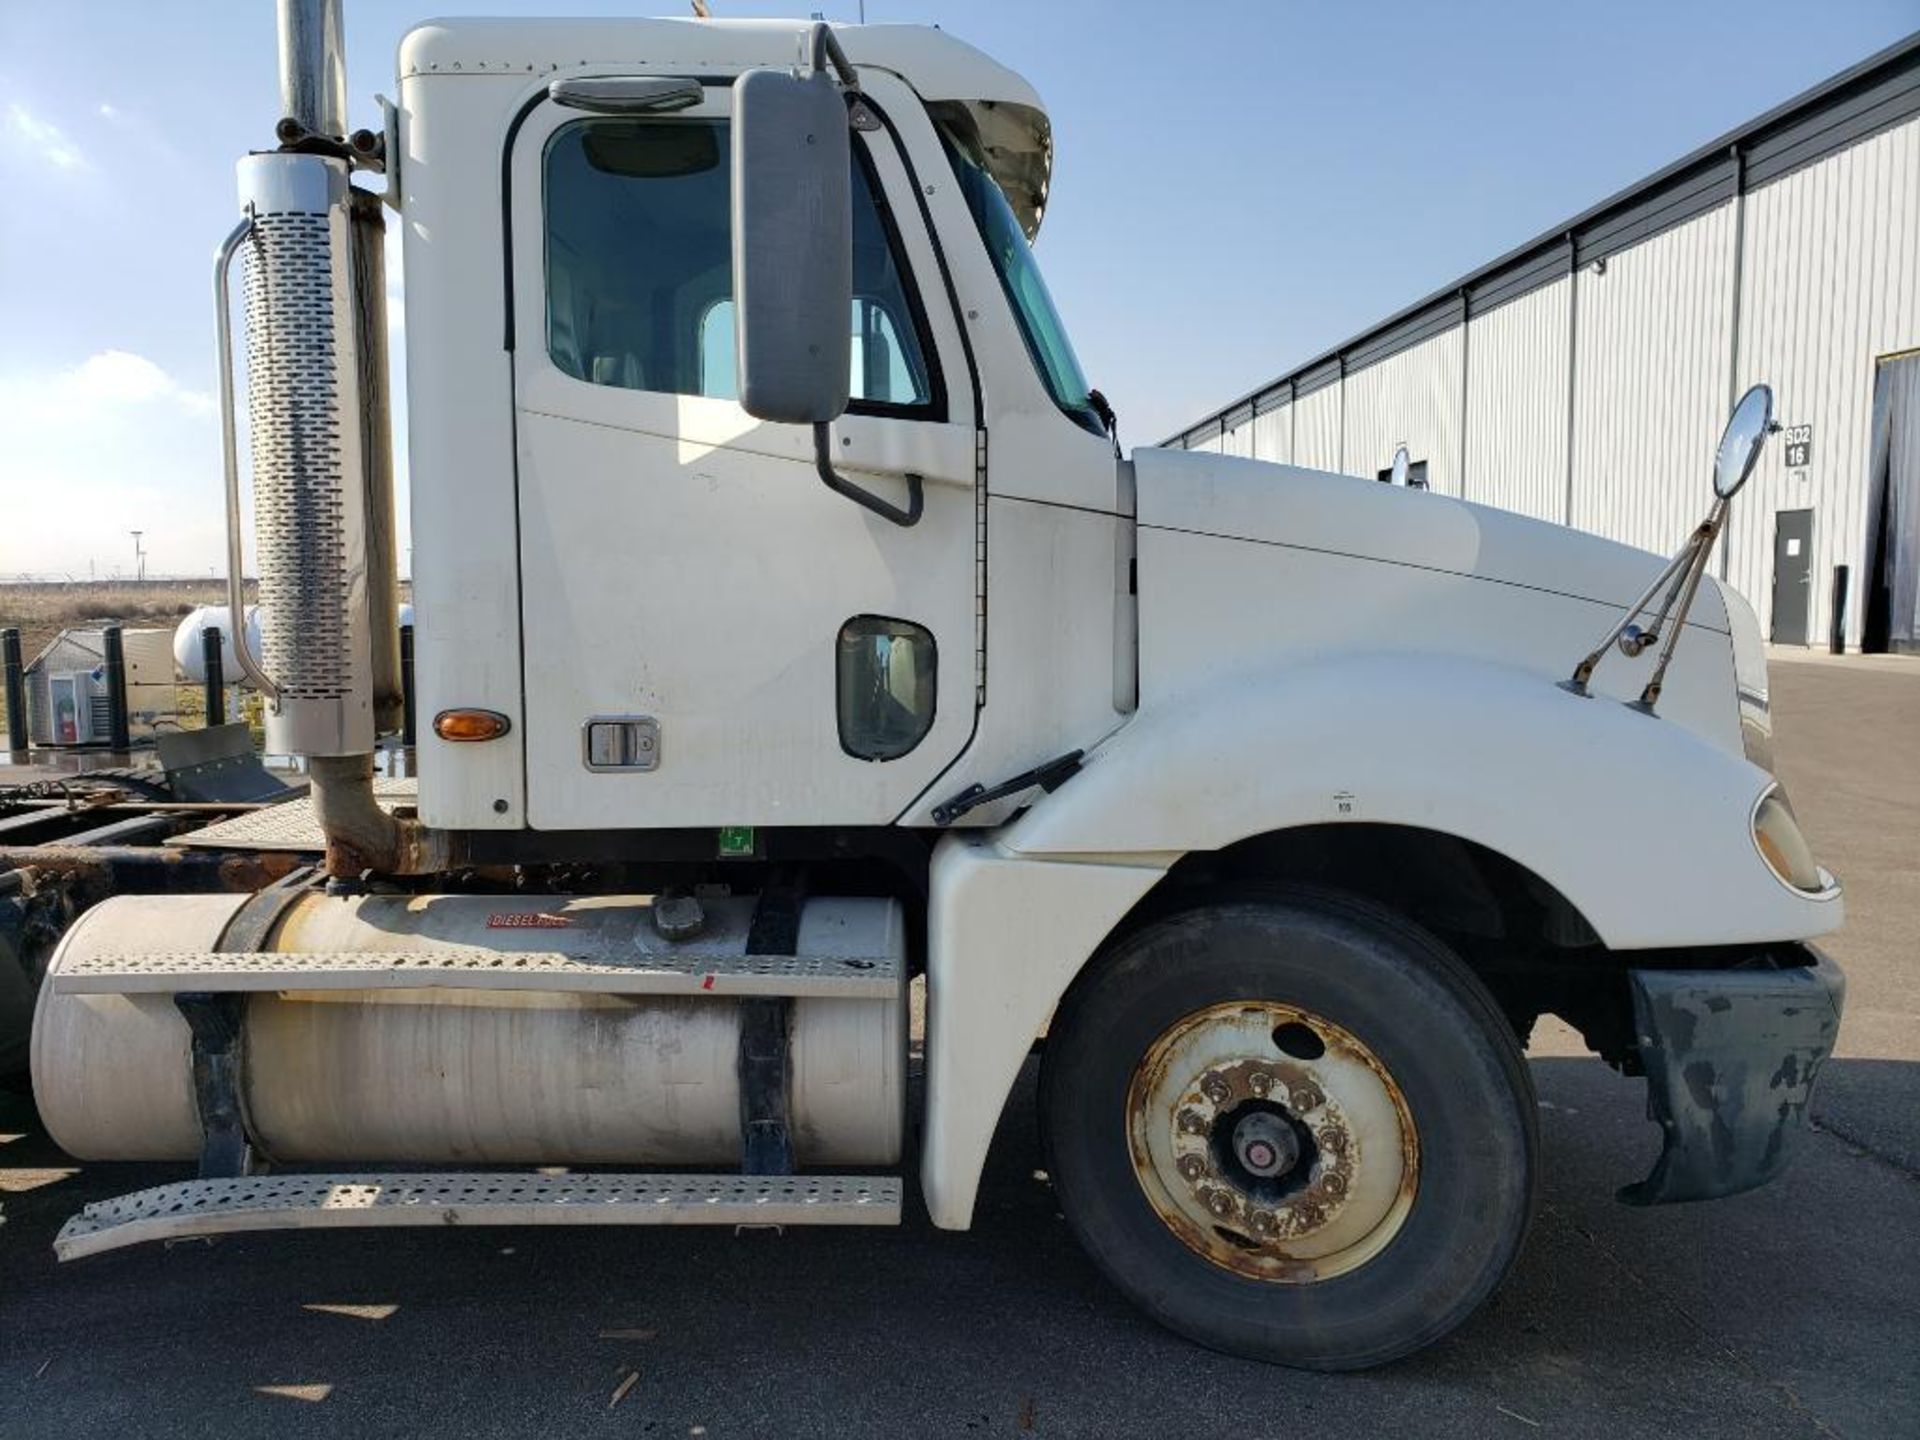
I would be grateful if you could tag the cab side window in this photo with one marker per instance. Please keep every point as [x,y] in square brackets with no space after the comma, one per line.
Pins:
[639,268]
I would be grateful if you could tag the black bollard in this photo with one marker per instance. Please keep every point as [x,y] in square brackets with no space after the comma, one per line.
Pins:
[116,666]
[406,686]
[1837,635]
[216,681]
[17,741]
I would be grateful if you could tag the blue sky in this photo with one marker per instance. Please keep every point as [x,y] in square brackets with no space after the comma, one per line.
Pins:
[1239,186]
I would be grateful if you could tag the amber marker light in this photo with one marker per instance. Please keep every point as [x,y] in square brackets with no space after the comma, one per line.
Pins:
[471,725]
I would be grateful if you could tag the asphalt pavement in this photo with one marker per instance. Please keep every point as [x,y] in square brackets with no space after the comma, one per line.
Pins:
[1792,1311]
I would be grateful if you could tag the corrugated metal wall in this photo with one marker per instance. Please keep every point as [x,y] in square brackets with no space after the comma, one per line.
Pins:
[1410,399]
[1652,347]
[1517,404]
[1830,282]
[1273,435]
[1316,429]
[1804,281]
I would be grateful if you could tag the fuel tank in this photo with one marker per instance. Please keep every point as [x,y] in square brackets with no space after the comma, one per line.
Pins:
[443,1075]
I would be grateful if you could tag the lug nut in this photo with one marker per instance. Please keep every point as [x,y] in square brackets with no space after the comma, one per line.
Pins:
[1192,1166]
[1262,1223]
[1306,1098]
[1215,1089]
[1220,1203]
[1193,1122]
[1260,1082]
[1334,1183]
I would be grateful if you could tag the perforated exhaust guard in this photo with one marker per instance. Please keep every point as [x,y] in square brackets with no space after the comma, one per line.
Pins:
[304,408]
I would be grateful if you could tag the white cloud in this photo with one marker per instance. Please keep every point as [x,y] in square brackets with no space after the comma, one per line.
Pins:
[103,381]
[107,444]
[132,128]
[114,443]
[47,141]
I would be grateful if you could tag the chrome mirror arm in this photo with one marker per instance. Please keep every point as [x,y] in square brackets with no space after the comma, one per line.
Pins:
[1681,575]
[1702,542]
[1632,643]
[1673,570]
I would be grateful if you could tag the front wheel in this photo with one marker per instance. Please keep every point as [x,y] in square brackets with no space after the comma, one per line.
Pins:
[1293,1127]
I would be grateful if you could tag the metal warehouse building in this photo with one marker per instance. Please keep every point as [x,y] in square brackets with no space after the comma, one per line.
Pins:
[1585,376]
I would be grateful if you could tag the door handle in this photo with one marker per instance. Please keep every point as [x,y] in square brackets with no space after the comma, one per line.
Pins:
[840,485]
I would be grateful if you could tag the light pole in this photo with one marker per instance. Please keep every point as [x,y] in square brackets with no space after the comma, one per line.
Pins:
[139,555]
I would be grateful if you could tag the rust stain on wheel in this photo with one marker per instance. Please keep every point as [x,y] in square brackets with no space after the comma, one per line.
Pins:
[1272,1142]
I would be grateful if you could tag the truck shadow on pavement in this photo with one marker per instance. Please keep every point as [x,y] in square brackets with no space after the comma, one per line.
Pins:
[1789,1311]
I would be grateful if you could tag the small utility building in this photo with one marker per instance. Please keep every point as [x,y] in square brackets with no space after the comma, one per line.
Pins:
[1585,376]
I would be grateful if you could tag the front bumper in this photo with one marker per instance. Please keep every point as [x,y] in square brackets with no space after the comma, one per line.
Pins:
[1731,1057]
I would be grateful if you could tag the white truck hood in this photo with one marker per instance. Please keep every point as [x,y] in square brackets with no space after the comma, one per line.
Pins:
[1315,510]
[1245,566]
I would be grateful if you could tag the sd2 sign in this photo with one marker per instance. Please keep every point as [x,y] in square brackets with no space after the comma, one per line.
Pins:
[1799,443]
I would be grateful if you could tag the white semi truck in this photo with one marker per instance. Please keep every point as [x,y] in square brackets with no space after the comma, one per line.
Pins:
[791,625]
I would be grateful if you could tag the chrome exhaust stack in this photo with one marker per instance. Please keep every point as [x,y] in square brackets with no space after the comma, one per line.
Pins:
[321,447]
[313,70]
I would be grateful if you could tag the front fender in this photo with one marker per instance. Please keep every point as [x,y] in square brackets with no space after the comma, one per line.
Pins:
[1643,825]
[1005,937]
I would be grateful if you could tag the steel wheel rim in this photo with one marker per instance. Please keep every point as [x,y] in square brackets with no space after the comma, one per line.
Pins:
[1282,1167]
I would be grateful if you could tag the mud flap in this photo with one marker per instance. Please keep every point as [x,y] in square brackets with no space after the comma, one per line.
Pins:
[1731,1057]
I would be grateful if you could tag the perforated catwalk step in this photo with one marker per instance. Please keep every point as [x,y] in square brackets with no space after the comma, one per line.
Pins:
[846,977]
[342,1202]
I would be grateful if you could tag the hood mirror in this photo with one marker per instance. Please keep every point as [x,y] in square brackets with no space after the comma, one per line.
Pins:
[1747,430]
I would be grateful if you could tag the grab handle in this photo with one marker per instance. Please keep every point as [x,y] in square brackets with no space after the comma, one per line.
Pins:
[230,456]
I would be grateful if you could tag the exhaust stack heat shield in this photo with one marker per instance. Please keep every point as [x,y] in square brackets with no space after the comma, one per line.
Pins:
[303,403]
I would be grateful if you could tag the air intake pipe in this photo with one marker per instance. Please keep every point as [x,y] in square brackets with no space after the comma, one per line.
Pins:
[322,453]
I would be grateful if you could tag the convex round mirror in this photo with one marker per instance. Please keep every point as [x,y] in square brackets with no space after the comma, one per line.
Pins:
[1401,467]
[1740,446]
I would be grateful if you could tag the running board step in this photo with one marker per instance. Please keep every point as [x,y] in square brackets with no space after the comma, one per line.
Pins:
[844,977]
[338,1202]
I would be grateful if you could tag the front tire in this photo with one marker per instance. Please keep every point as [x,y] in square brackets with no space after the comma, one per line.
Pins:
[1293,1127]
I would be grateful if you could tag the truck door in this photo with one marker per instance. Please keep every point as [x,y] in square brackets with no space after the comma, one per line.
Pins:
[712,637]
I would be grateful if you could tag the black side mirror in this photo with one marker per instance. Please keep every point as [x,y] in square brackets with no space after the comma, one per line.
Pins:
[792,246]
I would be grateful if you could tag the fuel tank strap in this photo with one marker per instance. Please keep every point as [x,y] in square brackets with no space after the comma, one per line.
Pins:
[228,1146]
[216,1023]
[253,922]
[766,1025]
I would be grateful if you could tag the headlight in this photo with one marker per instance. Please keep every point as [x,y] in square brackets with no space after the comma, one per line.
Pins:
[1776,834]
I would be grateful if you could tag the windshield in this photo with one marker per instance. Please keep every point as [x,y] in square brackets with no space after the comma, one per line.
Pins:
[1026,291]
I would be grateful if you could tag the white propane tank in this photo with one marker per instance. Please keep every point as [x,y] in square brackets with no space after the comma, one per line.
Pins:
[189,652]
[473,1074]
[190,655]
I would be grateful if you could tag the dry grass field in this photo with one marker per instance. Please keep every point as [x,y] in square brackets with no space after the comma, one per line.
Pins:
[42,611]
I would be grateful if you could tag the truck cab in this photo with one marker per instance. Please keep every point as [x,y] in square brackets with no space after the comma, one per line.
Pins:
[792,626]
[586,390]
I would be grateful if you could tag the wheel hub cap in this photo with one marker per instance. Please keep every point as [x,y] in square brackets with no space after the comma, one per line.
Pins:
[1265,1145]
[1287,1164]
